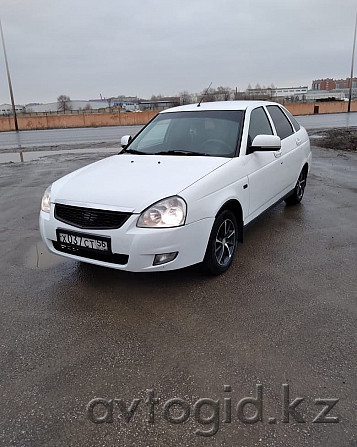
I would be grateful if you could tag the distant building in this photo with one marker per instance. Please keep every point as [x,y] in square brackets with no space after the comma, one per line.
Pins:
[323,84]
[258,92]
[75,105]
[159,104]
[41,108]
[286,92]
[333,84]
[324,95]
[128,103]
[336,86]
[6,109]
[302,93]
[291,93]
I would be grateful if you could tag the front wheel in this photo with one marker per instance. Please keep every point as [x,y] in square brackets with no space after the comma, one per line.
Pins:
[299,189]
[222,243]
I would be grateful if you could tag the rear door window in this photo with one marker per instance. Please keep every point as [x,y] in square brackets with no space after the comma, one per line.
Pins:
[281,123]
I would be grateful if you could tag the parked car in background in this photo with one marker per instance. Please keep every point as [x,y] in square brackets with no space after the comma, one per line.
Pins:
[181,191]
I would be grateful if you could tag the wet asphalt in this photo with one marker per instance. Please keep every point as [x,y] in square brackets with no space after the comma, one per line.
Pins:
[32,139]
[285,313]
[61,138]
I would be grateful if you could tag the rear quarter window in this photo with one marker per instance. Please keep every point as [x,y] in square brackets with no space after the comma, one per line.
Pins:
[292,119]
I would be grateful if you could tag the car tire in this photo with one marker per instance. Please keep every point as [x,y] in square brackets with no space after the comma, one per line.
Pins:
[222,244]
[299,189]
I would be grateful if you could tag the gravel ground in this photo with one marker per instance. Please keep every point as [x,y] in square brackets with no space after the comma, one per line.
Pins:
[340,139]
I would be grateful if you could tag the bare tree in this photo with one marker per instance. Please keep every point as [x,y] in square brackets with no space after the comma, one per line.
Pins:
[64,103]
[185,97]
[223,93]
[218,94]
[209,95]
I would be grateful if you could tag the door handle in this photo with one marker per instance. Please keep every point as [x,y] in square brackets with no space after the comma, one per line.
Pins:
[277,154]
[298,141]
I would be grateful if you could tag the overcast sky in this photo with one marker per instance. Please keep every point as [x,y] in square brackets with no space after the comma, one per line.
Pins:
[84,48]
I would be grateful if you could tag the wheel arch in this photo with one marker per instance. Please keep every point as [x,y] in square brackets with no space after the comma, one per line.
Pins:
[306,167]
[235,207]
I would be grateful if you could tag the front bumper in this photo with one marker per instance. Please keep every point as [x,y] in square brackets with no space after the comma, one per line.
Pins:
[139,244]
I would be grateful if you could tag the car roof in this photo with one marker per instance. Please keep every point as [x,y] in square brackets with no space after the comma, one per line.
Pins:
[218,105]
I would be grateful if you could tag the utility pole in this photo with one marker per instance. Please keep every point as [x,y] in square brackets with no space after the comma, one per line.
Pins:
[353,58]
[9,79]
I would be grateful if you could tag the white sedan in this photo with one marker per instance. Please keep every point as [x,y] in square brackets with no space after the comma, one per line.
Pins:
[181,191]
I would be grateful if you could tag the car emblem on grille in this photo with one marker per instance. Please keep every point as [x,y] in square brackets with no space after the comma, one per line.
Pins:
[89,217]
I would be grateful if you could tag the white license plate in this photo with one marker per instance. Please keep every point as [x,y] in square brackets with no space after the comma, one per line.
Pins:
[82,241]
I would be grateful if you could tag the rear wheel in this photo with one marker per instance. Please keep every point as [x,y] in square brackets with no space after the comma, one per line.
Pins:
[222,243]
[299,189]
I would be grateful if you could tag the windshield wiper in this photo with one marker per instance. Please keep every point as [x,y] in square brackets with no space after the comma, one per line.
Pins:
[180,152]
[132,151]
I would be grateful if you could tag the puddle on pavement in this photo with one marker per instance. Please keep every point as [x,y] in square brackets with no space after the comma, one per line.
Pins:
[39,257]
[17,157]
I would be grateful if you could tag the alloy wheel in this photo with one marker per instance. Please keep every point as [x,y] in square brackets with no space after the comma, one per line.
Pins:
[300,185]
[225,242]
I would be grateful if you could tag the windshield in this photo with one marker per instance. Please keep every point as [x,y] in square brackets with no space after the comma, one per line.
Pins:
[212,133]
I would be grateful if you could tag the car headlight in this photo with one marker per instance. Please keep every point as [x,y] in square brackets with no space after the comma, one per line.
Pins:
[46,201]
[170,212]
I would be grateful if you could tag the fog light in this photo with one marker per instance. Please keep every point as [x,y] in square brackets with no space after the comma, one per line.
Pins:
[164,257]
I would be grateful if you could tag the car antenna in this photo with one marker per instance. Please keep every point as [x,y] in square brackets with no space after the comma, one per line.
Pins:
[199,104]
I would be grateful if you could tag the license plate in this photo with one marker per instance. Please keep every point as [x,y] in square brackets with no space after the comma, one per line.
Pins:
[86,241]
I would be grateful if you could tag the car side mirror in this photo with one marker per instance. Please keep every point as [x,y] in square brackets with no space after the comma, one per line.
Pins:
[265,143]
[125,140]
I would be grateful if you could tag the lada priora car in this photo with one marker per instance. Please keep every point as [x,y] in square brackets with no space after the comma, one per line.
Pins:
[181,191]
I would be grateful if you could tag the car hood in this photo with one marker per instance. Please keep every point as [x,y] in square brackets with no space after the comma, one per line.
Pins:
[132,182]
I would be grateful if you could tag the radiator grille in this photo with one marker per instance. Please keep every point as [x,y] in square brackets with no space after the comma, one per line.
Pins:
[90,218]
